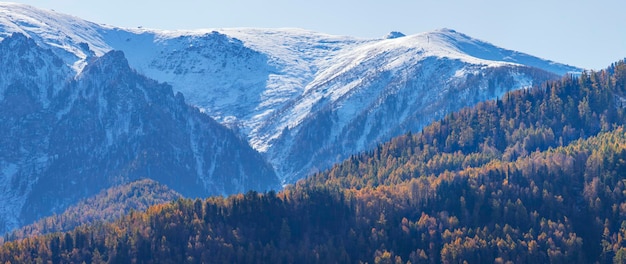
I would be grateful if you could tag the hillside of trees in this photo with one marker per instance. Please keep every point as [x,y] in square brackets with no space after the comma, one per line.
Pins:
[106,206]
[538,176]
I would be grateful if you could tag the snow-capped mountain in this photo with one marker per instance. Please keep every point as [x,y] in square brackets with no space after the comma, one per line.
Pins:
[304,99]
[67,137]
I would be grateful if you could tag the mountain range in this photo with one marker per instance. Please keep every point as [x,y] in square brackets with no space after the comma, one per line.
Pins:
[89,106]
[534,177]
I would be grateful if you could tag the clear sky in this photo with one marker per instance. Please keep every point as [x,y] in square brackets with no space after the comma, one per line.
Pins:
[583,33]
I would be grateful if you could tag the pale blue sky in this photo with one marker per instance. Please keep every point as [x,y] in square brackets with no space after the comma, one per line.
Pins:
[584,33]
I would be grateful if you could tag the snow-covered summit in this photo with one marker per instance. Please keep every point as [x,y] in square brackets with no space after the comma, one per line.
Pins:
[487,51]
[64,33]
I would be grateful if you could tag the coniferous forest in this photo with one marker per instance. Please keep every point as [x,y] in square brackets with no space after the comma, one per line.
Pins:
[538,176]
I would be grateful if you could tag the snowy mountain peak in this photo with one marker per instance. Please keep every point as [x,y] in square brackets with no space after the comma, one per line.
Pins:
[483,50]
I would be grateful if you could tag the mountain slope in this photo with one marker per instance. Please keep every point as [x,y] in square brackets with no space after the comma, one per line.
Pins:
[274,86]
[68,138]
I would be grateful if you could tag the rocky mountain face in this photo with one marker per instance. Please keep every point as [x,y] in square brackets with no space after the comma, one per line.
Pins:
[67,137]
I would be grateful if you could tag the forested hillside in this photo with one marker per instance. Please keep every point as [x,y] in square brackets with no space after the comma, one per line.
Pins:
[106,206]
[536,177]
